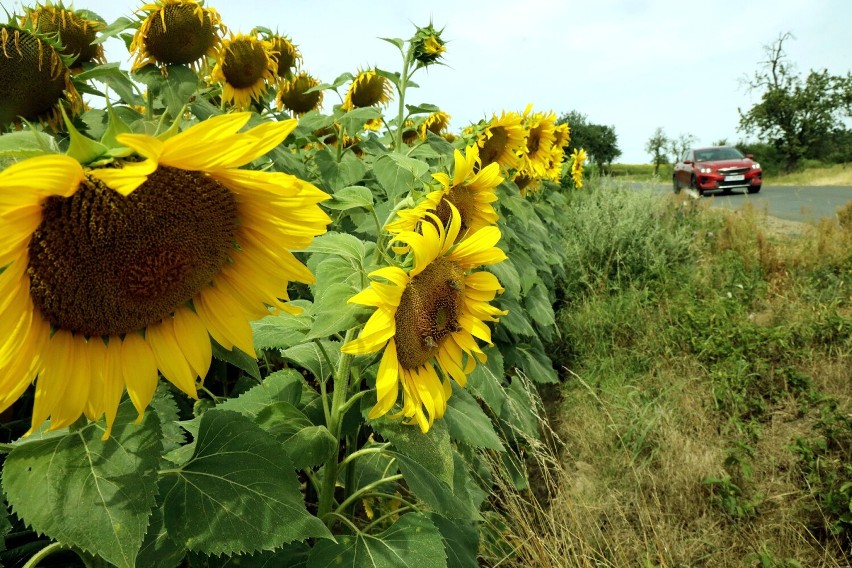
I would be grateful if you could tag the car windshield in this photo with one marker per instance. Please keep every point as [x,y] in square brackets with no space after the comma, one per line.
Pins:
[712,154]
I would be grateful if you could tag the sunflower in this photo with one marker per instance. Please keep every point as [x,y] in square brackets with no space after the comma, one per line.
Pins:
[366,90]
[36,80]
[113,273]
[245,69]
[527,183]
[285,54]
[72,28]
[501,141]
[176,32]
[541,135]
[437,122]
[292,96]
[470,192]
[427,319]
[562,135]
[578,158]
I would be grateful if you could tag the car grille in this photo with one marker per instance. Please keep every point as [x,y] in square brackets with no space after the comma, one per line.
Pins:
[732,171]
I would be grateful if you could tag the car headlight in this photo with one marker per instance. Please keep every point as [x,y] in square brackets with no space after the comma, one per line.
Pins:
[755,166]
[704,170]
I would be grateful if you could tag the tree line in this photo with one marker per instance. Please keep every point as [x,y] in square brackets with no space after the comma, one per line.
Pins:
[796,119]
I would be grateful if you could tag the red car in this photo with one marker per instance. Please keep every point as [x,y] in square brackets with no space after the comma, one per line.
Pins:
[717,167]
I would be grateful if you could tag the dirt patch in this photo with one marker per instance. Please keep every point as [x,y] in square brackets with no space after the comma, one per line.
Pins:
[784,227]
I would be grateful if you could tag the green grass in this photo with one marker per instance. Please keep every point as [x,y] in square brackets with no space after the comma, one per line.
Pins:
[704,409]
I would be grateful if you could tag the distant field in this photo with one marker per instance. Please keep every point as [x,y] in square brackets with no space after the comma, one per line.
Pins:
[837,174]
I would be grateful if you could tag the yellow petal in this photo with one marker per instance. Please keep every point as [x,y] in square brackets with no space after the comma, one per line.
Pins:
[170,359]
[223,318]
[194,341]
[29,181]
[139,369]
[126,179]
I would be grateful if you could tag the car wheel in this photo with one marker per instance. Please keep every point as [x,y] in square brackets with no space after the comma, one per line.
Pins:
[694,185]
[675,184]
[753,188]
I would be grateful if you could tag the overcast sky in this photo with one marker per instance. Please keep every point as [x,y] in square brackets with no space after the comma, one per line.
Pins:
[636,65]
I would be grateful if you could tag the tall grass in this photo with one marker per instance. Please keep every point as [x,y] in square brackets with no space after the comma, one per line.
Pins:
[704,413]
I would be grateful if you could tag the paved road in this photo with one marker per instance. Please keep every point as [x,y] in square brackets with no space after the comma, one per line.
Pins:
[795,203]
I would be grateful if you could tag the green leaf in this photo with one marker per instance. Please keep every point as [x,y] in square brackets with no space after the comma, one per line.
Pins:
[423,108]
[158,550]
[467,422]
[82,148]
[21,145]
[539,307]
[81,490]
[281,331]
[293,555]
[333,313]
[455,501]
[370,468]
[5,527]
[167,410]
[354,120]
[114,29]
[337,175]
[351,197]
[535,363]
[115,126]
[394,41]
[431,450]
[508,276]
[413,541]
[461,541]
[516,321]
[180,86]
[113,77]
[518,410]
[310,356]
[486,381]
[281,386]
[340,244]
[238,359]
[306,444]
[397,174]
[238,493]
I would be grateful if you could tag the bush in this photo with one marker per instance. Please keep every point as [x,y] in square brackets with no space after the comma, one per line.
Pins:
[616,237]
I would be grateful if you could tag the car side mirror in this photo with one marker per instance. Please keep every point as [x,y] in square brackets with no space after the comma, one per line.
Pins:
[750,156]
[688,162]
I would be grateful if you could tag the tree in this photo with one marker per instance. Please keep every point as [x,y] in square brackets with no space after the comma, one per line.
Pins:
[681,144]
[656,146]
[793,115]
[599,141]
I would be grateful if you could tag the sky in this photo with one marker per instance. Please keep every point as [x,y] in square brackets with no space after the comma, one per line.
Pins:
[631,64]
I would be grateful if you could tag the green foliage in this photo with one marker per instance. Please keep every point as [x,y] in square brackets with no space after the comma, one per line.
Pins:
[599,141]
[618,239]
[658,146]
[75,487]
[801,118]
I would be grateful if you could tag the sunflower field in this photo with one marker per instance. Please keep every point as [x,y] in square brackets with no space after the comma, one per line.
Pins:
[349,305]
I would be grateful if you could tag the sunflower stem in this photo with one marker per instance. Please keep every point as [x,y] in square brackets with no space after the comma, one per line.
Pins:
[337,411]
[403,84]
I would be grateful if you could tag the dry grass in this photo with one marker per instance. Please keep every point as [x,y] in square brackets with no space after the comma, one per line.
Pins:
[622,477]
[838,174]
[601,505]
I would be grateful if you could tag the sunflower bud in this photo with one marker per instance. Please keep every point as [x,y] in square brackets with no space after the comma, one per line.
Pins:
[428,45]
